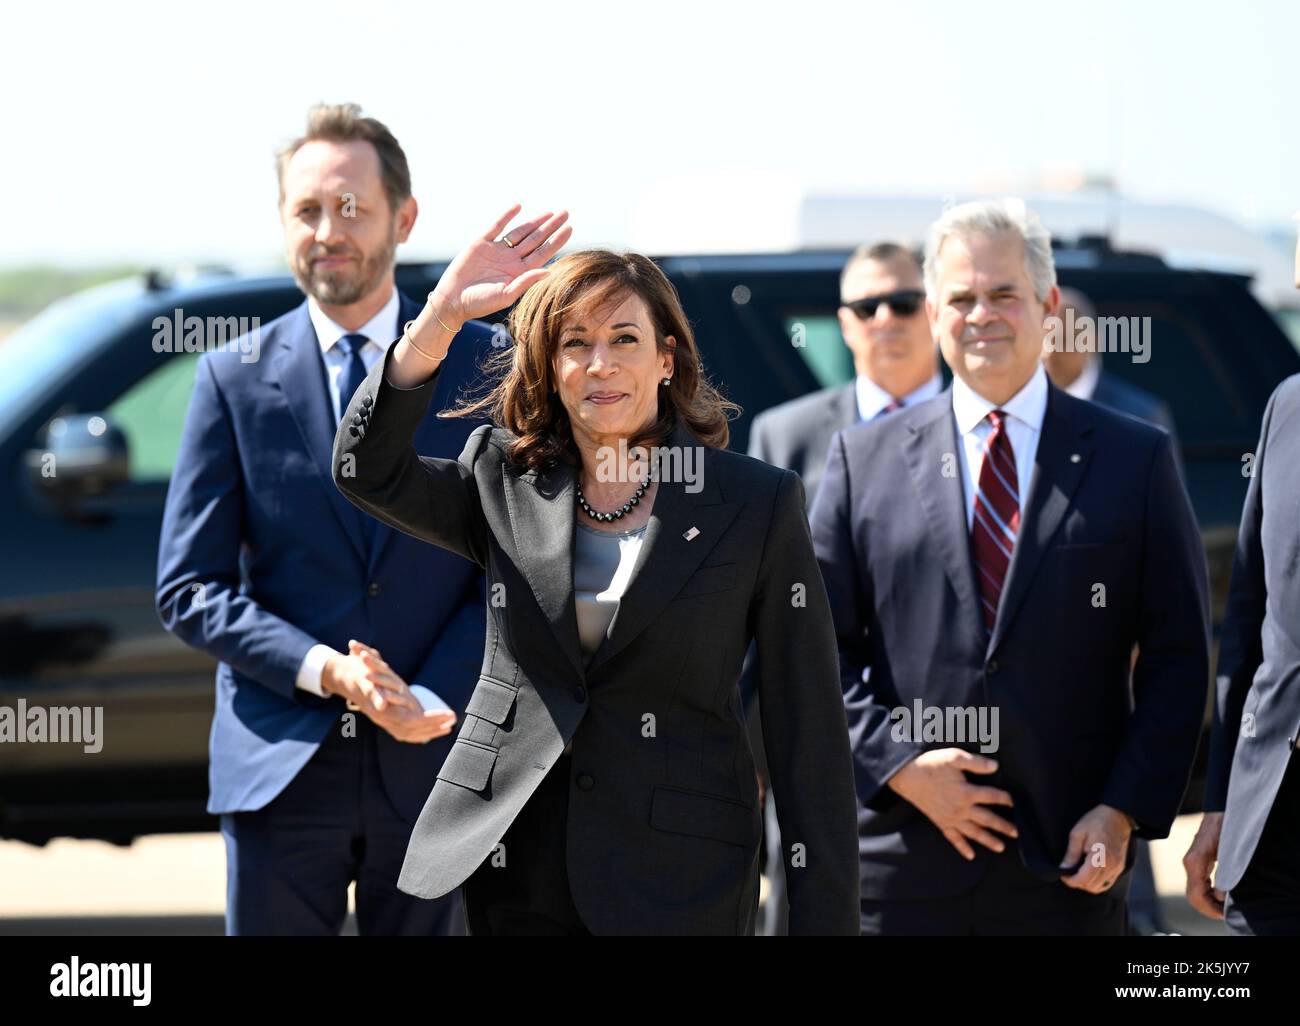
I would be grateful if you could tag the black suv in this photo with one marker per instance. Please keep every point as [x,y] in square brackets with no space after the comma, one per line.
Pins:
[84,380]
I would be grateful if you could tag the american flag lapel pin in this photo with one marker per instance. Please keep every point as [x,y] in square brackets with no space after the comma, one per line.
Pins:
[692,534]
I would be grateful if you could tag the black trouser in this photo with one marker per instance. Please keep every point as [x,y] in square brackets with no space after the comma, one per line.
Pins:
[1266,901]
[1008,901]
[523,889]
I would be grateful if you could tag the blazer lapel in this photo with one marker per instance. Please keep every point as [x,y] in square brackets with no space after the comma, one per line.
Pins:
[299,373]
[1059,465]
[844,408]
[541,517]
[934,460]
[668,558]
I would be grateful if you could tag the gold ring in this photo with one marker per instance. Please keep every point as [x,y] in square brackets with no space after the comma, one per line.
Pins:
[506,240]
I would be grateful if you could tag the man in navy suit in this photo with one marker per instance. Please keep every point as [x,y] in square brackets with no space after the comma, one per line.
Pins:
[345,649]
[993,556]
[1080,373]
[1251,825]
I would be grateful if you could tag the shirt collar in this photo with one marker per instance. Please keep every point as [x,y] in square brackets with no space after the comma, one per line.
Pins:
[381,329]
[872,398]
[1027,406]
[1085,384]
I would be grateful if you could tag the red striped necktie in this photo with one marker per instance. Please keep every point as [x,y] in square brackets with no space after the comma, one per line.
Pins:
[997,516]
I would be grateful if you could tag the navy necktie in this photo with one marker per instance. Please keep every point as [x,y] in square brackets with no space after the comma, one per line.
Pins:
[354,373]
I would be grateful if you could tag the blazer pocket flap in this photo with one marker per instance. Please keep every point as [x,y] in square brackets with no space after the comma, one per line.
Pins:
[704,815]
[492,700]
[469,765]
[708,579]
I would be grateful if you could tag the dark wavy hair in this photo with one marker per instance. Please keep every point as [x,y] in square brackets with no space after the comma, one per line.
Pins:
[520,397]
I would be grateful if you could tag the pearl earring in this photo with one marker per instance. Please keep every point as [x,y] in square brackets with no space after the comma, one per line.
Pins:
[666,380]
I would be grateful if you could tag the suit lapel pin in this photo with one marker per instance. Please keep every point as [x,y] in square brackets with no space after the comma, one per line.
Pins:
[692,534]
[1075,457]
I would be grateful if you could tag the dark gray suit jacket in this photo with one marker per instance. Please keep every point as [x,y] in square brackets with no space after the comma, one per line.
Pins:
[1257,714]
[797,434]
[663,822]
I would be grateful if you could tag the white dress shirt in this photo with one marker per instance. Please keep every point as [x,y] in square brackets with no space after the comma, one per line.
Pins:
[1085,384]
[1024,425]
[381,330]
[872,398]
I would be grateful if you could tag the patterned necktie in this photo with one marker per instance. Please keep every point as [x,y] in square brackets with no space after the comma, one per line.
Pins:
[354,373]
[889,407]
[997,516]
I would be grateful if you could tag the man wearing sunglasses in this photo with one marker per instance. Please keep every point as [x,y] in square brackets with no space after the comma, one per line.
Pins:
[896,364]
[895,361]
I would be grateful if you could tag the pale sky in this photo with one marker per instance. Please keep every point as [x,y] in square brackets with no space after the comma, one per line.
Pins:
[144,131]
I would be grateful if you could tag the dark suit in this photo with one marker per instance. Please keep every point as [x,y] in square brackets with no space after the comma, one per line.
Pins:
[662,827]
[1105,507]
[797,435]
[260,558]
[1118,394]
[1253,774]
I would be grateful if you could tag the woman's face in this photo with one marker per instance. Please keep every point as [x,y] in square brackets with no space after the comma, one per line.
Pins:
[608,369]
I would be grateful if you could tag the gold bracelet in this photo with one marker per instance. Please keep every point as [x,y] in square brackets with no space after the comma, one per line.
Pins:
[450,331]
[406,334]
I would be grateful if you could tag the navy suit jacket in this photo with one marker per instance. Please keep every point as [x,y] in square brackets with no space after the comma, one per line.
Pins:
[261,557]
[1257,713]
[1106,506]
[1118,394]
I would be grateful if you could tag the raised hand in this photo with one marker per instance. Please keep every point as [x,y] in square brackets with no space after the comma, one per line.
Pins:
[494,270]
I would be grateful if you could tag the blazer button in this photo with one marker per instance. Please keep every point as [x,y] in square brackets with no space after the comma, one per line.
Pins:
[373,589]
[579,694]
[586,782]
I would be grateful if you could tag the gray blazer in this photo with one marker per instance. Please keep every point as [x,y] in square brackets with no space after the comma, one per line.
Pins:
[797,434]
[663,823]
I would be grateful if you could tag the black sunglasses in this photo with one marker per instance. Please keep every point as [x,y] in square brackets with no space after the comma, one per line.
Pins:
[904,302]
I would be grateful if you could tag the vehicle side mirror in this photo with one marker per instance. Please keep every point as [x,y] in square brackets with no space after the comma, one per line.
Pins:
[79,456]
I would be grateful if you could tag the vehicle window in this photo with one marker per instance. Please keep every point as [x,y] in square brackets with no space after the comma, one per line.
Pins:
[1289,318]
[151,414]
[815,336]
[1186,368]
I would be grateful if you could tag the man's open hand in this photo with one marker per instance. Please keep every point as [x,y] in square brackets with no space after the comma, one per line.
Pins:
[935,782]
